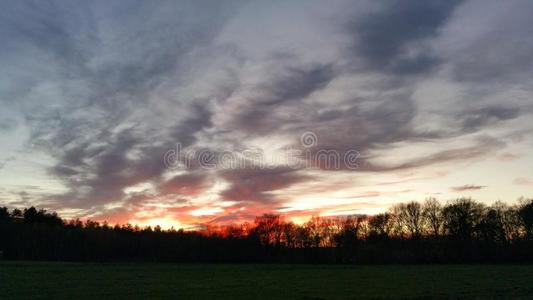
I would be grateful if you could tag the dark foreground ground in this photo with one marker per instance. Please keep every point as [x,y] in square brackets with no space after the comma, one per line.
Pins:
[29,280]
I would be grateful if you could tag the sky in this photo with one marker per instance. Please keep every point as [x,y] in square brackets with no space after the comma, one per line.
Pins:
[182,113]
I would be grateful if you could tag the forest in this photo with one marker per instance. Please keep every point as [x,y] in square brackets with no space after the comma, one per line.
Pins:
[459,231]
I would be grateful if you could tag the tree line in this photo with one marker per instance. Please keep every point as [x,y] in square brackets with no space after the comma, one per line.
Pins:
[460,231]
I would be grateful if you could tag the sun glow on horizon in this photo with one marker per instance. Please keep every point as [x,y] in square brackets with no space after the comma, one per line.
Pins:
[165,223]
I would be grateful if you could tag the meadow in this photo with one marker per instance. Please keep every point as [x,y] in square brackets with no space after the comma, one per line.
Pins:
[49,280]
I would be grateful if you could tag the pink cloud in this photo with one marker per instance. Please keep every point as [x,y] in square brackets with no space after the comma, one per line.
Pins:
[523,181]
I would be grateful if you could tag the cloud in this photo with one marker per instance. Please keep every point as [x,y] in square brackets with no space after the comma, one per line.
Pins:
[7,124]
[508,157]
[467,187]
[233,218]
[187,184]
[254,185]
[4,161]
[497,50]
[100,132]
[259,107]
[477,119]
[523,181]
[106,89]
[393,37]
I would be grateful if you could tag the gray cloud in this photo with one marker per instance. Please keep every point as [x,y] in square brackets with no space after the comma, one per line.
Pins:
[498,48]
[4,161]
[253,185]
[467,187]
[282,88]
[483,146]
[477,119]
[7,124]
[188,184]
[392,38]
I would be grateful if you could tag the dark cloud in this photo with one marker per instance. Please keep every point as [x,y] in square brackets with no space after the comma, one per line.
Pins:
[467,187]
[368,124]
[254,185]
[294,83]
[498,50]
[236,217]
[7,124]
[483,147]
[477,119]
[392,37]
[282,89]
[188,184]
[473,120]
[197,119]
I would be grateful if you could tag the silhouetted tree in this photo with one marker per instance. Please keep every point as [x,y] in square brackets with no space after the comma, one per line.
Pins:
[510,220]
[461,231]
[462,217]
[16,213]
[525,212]
[289,234]
[432,213]
[269,229]
[348,238]
[380,225]
[314,231]
[409,218]
[4,214]
[303,237]
[491,228]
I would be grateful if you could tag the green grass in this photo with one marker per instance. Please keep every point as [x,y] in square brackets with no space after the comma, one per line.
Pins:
[32,280]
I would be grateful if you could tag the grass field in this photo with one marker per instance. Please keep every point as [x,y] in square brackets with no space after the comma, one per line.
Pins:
[30,280]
